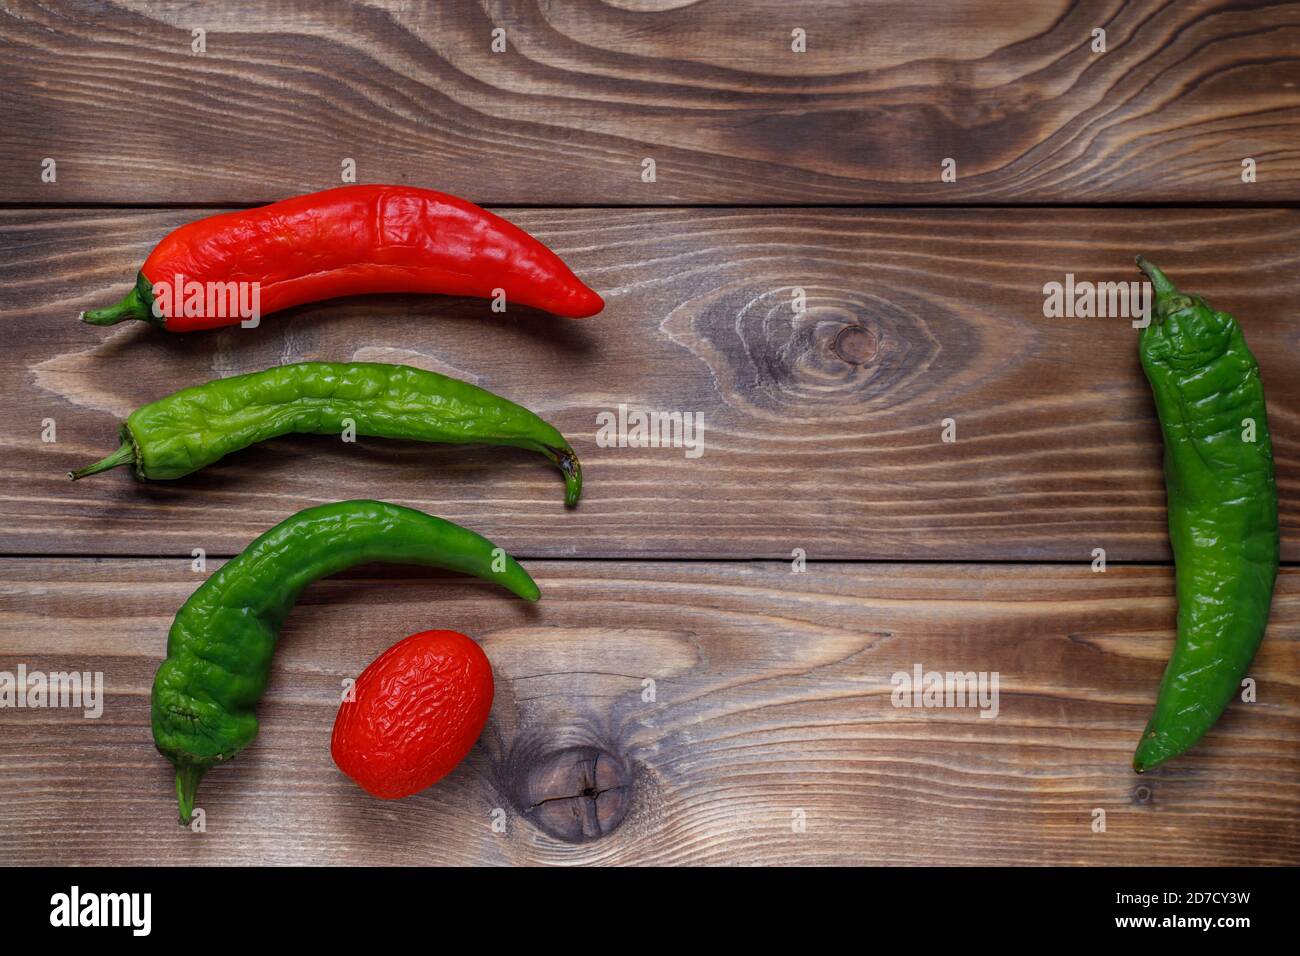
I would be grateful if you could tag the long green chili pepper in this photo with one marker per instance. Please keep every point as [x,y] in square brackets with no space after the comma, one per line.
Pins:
[1222,501]
[221,642]
[195,427]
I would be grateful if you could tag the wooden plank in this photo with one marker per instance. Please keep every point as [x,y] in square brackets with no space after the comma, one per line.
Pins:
[822,428]
[586,91]
[771,696]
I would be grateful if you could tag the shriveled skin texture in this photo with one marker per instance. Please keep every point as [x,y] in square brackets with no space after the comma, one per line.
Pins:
[195,427]
[363,239]
[221,642]
[1222,500]
[418,710]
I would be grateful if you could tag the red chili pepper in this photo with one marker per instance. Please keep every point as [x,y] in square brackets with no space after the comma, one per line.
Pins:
[347,241]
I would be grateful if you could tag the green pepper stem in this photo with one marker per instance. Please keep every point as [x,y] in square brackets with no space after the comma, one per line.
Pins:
[123,456]
[1159,281]
[131,307]
[188,776]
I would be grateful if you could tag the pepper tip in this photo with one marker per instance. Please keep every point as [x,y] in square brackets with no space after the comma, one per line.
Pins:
[572,469]
[564,458]
[586,303]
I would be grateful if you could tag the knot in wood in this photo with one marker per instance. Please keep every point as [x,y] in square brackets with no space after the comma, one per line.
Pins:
[577,794]
[856,345]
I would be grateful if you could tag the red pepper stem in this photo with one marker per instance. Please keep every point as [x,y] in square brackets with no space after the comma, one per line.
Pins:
[131,307]
[123,456]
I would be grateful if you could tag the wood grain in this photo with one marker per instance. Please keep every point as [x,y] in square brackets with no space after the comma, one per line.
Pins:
[711,91]
[822,428]
[771,695]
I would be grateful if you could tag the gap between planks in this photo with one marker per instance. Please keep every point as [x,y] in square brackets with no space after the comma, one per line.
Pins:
[645,559]
[634,207]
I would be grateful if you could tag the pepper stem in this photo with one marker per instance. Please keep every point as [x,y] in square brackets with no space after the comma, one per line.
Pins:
[123,456]
[132,306]
[1158,279]
[188,776]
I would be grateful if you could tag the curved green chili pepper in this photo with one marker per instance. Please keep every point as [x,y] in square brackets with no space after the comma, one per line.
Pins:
[1222,510]
[192,428]
[221,642]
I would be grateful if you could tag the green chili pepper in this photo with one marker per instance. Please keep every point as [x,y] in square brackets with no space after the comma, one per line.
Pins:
[1222,501]
[221,642]
[192,428]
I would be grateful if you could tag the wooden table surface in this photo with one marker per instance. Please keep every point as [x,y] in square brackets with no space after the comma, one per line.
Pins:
[682,693]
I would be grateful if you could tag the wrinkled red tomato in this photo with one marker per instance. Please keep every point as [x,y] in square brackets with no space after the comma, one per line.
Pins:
[419,708]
